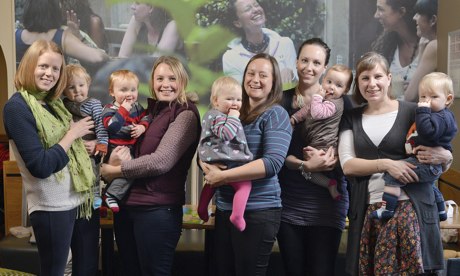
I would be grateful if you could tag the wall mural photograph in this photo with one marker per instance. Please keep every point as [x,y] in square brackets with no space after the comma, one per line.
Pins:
[215,38]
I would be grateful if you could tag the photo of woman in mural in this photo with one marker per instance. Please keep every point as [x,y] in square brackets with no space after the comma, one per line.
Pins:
[399,42]
[42,20]
[151,26]
[248,17]
[426,18]
[80,16]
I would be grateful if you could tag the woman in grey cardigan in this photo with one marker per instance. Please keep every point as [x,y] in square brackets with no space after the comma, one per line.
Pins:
[371,143]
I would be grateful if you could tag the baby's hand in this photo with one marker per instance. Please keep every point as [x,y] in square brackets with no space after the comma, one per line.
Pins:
[233,112]
[127,104]
[137,130]
[424,104]
[322,92]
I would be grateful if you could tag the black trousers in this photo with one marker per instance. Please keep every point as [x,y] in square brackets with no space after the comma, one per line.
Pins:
[308,250]
[247,252]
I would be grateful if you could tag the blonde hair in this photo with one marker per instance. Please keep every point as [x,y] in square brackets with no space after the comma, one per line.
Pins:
[224,83]
[73,70]
[179,72]
[25,78]
[343,69]
[121,75]
[437,81]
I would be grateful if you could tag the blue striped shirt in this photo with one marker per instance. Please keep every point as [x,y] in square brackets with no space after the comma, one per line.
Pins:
[268,137]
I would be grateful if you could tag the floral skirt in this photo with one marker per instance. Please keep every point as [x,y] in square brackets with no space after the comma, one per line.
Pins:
[391,247]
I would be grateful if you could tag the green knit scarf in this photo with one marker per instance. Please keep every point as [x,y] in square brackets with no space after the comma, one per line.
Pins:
[51,129]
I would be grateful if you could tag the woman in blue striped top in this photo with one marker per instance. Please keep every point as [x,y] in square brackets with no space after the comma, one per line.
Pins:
[268,132]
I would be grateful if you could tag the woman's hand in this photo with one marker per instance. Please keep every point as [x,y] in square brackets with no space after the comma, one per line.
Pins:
[119,154]
[76,130]
[109,172]
[433,155]
[112,169]
[73,23]
[318,160]
[400,170]
[81,128]
[214,174]
[90,146]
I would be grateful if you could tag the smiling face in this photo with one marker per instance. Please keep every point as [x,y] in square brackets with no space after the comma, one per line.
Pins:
[258,81]
[250,14]
[228,99]
[165,83]
[388,17]
[124,89]
[77,89]
[47,71]
[311,64]
[374,84]
[425,26]
[335,84]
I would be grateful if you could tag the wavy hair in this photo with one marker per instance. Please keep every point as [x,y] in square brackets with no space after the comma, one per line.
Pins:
[387,42]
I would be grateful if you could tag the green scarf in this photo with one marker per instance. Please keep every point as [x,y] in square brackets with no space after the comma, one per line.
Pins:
[51,129]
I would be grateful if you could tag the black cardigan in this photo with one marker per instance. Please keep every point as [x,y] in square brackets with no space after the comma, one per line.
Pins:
[421,195]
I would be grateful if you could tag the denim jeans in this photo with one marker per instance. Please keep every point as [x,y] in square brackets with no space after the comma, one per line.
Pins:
[425,172]
[57,232]
[147,238]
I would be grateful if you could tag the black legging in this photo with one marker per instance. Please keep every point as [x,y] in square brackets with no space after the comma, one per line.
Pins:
[308,250]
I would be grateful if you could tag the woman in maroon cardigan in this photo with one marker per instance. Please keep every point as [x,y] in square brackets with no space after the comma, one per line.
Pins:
[149,223]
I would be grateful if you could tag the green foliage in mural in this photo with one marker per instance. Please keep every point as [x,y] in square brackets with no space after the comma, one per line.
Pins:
[203,43]
[206,29]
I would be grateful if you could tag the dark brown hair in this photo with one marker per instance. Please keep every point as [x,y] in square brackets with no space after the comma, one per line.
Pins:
[387,42]
[274,97]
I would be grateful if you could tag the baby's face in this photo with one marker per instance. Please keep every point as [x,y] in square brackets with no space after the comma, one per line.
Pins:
[125,90]
[335,84]
[228,99]
[77,90]
[437,99]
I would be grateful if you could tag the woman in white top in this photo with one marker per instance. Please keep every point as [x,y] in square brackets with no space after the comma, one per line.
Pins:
[248,17]
[372,142]
[426,19]
[399,42]
[151,26]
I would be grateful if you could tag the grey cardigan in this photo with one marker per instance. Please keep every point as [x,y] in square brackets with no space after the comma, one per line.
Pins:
[420,194]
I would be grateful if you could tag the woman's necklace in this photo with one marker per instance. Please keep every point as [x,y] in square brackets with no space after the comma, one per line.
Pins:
[256,48]
[410,63]
[300,100]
